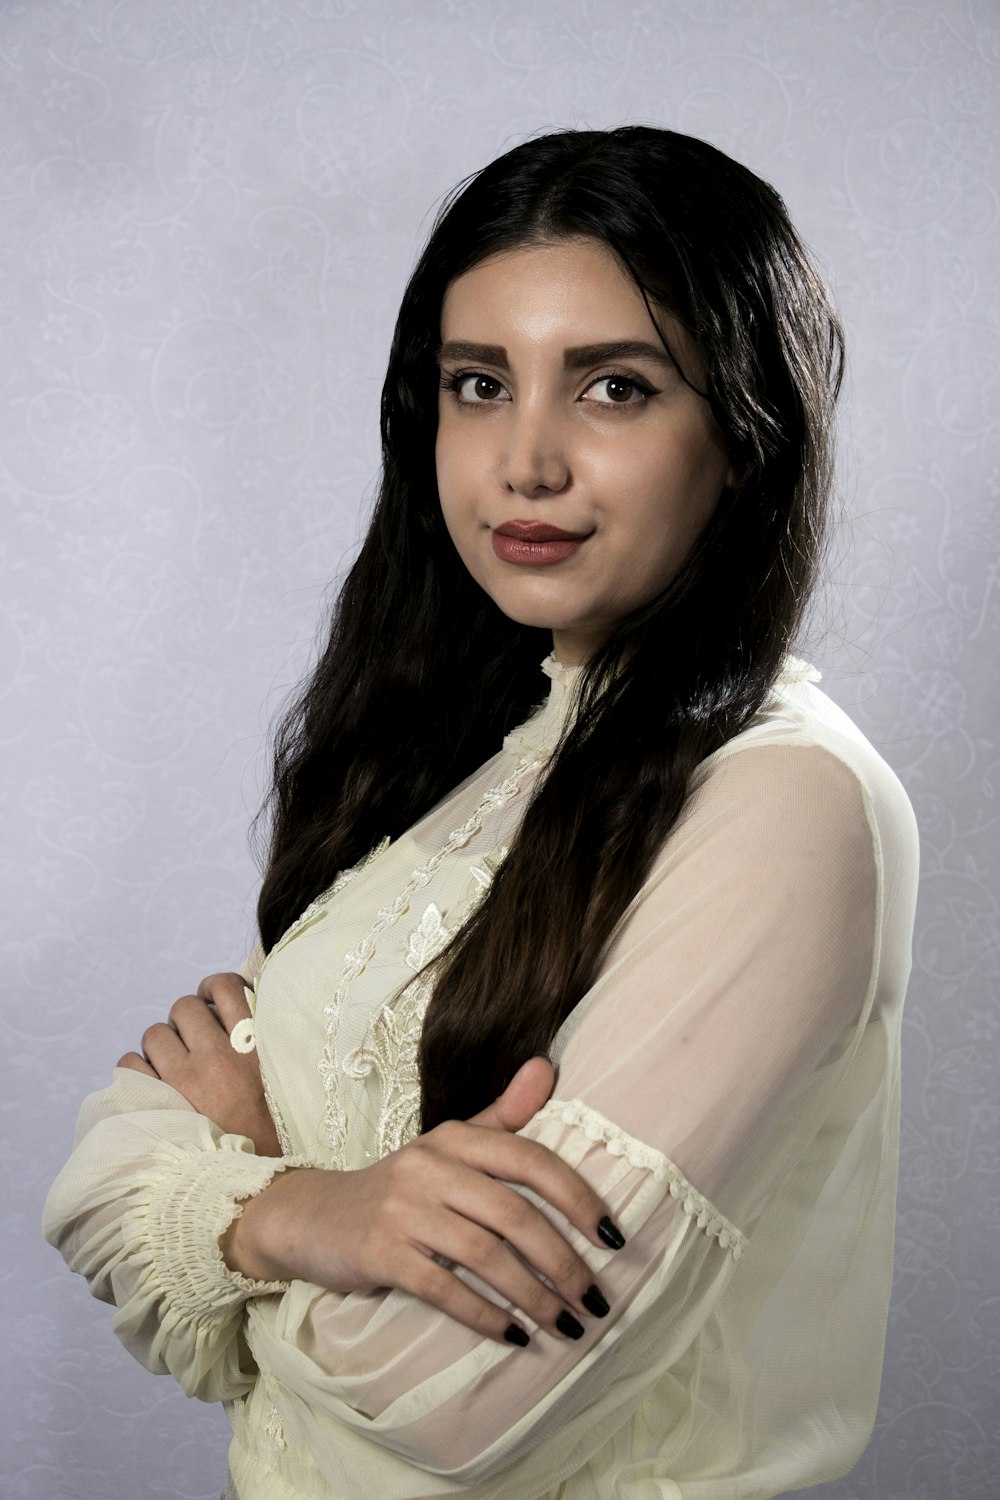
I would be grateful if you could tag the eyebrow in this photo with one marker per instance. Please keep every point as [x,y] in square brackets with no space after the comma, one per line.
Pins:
[581,357]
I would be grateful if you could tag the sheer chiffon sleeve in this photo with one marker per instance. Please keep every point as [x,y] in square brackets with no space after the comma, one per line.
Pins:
[734,1058]
[138,1211]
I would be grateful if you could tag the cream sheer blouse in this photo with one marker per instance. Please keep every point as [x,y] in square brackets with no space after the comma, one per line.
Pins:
[730,1086]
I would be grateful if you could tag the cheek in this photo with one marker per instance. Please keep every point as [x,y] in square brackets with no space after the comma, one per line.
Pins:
[451,468]
[440,452]
[444,470]
[669,504]
[456,497]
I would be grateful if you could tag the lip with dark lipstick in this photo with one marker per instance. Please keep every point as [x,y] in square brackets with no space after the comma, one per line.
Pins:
[535,542]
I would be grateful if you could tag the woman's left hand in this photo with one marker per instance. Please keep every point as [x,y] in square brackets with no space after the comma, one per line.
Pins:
[195,1056]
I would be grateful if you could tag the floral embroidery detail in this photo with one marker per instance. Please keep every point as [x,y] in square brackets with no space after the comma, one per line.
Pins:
[314,909]
[392,1056]
[395,1030]
[273,1441]
[322,901]
[427,939]
[395,1039]
[274,1110]
[484,872]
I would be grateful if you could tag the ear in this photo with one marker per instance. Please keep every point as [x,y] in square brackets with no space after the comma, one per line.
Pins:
[736,476]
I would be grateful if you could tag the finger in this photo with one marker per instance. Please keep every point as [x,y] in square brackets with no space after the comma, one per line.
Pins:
[495,1210]
[136,1064]
[513,1158]
[492,1260]
[164,1048]
[227,992]
[440,1288]
[196,1022]
[530,1088]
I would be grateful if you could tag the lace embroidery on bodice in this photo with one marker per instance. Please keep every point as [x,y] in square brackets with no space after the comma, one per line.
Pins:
[391,1052]
[343,879]
[394,1033]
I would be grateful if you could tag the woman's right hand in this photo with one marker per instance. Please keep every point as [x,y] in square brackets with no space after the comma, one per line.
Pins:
[444,1194]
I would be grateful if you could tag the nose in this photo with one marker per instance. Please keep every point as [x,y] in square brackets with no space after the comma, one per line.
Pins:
[536,462]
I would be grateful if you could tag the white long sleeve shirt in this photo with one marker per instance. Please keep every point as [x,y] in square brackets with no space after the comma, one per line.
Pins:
[729,1086]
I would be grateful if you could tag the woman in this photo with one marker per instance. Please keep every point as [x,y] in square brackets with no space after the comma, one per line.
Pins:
[683,874]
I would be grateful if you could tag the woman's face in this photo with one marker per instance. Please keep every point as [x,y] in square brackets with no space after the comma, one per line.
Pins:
[575,465]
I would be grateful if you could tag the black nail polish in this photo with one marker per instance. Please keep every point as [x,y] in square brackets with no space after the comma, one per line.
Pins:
[595,1302]
[515,1335]
[567,1324]
[610,1234]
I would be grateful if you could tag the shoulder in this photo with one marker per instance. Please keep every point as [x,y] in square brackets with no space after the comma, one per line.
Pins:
[799,813]
[794,859]
[803,761]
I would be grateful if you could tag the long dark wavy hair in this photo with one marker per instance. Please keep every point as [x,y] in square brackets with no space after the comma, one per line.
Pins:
[422,675]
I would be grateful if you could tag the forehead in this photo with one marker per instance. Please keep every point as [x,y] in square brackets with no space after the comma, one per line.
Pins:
[559,293]
[549,286]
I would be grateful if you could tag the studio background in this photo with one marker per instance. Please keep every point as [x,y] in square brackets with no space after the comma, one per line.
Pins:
[208,209]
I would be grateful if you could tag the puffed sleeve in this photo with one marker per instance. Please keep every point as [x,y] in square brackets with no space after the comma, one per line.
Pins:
[138,1210]
[732,1055]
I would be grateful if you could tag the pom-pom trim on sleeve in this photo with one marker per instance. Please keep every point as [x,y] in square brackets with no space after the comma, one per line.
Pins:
[619,1143]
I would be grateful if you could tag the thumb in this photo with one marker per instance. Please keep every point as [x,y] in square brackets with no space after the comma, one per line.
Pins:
[530,1088]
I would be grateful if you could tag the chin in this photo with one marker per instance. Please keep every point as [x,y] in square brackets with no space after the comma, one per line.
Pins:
[539,613]
[536,619]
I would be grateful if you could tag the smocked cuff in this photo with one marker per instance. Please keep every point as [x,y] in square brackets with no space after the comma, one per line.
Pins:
[174,1232]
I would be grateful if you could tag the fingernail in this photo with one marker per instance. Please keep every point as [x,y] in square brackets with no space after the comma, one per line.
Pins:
[567,1324]
[595,1302]
[515,1335]
[610,1233]
[548,1059]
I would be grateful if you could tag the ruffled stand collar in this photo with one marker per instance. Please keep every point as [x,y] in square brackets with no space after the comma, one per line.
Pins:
[539,735]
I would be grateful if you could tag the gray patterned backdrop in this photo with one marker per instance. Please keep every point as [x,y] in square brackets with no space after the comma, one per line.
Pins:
[209,208]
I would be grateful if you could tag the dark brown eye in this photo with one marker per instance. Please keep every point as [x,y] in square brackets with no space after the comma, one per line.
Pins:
[473,389]
[619,389]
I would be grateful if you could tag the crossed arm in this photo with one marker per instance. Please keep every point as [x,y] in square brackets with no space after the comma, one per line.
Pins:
[443,1196]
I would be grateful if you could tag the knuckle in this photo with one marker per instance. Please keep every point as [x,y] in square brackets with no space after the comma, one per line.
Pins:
[540,1156]
[588,1200]
[520,1213]
[184,1007]
[426,1281]
[538,1302]
[482,1251]
[569,1270]
[486,1318]
[394,1205]
[446,1135]
[582,1203]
